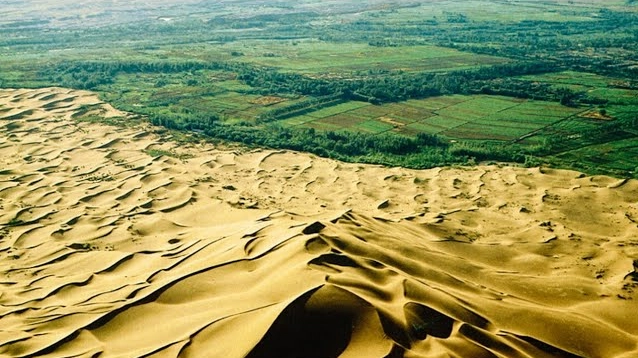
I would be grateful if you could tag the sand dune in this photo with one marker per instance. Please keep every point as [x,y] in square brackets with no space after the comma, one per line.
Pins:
[107,251]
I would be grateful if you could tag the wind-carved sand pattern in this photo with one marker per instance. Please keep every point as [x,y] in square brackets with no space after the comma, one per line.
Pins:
[106,251]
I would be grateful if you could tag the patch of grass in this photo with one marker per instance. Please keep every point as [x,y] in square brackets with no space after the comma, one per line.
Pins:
[104,177]
[112,121]
[422,127]
[338,109]
[375,127]
[167,153]
[15,222]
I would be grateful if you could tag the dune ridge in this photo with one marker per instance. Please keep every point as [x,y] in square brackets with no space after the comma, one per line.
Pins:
[106,250]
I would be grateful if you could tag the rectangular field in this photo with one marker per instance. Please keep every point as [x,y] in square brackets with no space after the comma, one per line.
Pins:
[422,127]
[480,131]
[343,120]
[340,108]
[375,127]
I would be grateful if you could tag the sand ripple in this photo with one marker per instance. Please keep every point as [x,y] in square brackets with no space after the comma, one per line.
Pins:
[106,251]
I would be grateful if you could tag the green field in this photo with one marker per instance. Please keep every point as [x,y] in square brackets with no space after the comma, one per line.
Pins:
[319,57]
[478,117]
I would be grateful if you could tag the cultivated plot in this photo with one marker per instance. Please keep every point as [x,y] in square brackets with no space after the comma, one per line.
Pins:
[453,117]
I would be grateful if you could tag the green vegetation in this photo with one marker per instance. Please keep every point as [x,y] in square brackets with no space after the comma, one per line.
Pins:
[316,57]
[471,117]
[167,153]
[100,178]
[415,84]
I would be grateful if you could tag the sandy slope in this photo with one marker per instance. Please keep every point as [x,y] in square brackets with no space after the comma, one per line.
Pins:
[105,249]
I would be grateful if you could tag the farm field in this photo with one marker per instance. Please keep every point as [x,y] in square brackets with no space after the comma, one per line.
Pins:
[314,57]
[474,117]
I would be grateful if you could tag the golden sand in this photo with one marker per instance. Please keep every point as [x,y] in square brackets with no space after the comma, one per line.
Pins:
[105,250]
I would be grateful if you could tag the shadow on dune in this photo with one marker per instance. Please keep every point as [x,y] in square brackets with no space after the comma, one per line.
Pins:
[318,324]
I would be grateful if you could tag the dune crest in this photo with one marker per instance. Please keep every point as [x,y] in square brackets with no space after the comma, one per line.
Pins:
[118,242]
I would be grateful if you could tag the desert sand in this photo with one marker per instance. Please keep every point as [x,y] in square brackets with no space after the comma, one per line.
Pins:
[108,251]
